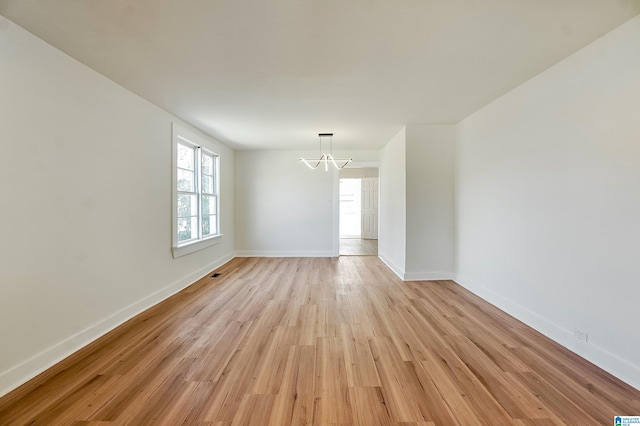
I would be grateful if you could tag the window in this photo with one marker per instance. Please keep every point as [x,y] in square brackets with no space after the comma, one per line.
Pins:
[195,187]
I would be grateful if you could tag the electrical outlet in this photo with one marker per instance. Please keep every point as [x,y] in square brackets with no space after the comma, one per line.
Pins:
[581,335]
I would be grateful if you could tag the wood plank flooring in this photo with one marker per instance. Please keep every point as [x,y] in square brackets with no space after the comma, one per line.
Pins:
[321,341]
[358,247]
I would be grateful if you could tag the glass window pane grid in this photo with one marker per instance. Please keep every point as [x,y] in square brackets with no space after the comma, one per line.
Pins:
[204,188]
[208,173]
[186,157]
[186,180]
[187,205]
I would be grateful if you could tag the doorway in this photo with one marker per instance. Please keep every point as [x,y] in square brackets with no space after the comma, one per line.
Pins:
[358,212]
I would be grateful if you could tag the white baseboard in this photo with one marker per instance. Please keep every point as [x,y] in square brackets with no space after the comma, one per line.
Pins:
[25,371]
[252,253]
[396,270]
[428,276]
[416,276]
[620,368]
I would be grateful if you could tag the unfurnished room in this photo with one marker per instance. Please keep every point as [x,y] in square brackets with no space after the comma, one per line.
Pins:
[313,212]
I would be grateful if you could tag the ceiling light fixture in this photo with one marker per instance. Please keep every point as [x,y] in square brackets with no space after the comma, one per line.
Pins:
[326,158]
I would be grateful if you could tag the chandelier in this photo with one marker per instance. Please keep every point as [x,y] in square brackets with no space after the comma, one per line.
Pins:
[326,158]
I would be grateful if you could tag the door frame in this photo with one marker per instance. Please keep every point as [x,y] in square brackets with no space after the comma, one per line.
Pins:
[336,200]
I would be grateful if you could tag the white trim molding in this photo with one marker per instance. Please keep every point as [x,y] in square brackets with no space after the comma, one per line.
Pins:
[620,368]
[30,368]
[195,246]
[428,276]
[267,253]
[399,272]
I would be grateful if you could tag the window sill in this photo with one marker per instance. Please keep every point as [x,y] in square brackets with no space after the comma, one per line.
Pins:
[195,246]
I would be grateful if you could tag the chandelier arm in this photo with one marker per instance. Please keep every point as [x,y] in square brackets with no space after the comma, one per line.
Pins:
[330,157]
[309,164]
[346,161]
[335,161]
[326,158]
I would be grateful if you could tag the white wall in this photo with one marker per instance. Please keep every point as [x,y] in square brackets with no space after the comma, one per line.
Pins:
[430,211]
[548,201]
[417,202]
[282,207]
[85,178]
[393,215]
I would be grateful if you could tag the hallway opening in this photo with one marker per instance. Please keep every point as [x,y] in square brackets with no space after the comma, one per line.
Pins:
[358,212]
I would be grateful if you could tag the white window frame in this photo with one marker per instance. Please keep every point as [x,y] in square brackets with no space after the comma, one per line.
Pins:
[184,136]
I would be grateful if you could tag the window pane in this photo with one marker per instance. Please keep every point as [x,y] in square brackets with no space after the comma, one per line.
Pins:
[207,184]
[209,225]
[187,205]
[186,181]
[206,230]
[185,157]
[187,228]
[207,164]
[194,226]
[195,189]
[209,205]
[206,202]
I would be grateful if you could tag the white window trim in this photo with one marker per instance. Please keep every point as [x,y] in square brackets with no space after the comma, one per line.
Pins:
[184,134]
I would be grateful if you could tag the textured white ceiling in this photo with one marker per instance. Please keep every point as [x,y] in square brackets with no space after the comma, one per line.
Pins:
[271,74]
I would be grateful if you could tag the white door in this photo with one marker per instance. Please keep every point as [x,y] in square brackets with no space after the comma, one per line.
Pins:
[370,208]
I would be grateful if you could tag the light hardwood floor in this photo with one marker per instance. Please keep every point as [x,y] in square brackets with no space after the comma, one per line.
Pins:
[358,247]
[321,341]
